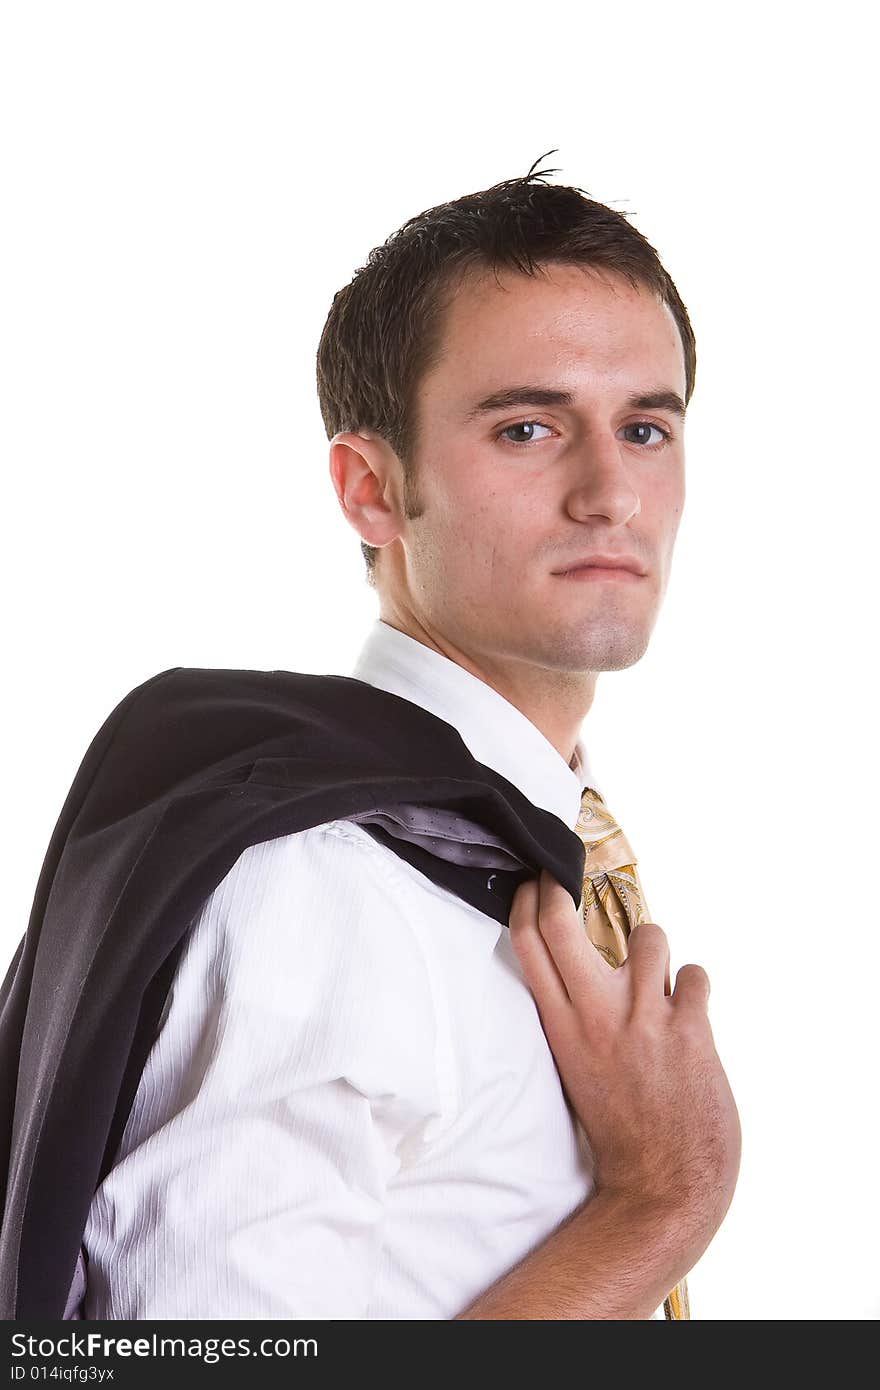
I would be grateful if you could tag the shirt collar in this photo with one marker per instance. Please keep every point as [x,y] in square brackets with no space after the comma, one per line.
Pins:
[495,732]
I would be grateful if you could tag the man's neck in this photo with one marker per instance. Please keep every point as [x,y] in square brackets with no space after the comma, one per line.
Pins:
[573,692]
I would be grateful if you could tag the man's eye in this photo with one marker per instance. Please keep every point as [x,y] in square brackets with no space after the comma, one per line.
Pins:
[529,425]
[642,427]
[646,425]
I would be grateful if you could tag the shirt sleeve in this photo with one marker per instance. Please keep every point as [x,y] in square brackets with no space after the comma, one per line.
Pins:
[295,1065]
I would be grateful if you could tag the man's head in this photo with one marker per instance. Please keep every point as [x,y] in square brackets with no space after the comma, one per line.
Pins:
[479,508]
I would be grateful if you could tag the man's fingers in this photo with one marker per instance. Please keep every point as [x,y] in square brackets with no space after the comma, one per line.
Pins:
[530,948]
[648,959]
[692,987]
[562,927]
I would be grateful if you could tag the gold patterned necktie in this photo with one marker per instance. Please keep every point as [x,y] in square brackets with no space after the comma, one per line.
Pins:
[613,903]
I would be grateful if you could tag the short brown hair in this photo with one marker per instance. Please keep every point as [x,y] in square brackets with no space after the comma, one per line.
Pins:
[384,330]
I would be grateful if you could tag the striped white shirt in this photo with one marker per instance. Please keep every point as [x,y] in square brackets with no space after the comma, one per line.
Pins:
[351,1110]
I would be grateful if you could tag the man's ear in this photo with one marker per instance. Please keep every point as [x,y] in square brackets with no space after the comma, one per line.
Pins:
[365,472]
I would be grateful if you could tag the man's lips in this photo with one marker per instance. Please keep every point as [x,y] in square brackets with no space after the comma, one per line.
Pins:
[604,567]
[599,572]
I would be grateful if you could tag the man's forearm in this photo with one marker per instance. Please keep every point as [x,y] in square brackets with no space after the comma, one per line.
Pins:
[610,1259]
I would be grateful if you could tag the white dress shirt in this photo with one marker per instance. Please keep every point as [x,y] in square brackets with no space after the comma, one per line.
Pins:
[351,1110]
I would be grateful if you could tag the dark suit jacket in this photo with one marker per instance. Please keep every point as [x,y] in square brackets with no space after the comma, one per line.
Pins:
[191,768]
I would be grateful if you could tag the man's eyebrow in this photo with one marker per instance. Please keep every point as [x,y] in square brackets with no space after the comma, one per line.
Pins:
[661,399]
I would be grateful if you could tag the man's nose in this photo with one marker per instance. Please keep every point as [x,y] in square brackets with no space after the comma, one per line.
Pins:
[603,481]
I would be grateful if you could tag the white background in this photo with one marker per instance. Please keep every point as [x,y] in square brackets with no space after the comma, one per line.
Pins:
[186,185]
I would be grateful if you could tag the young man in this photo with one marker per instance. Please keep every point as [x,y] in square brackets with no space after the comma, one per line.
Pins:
[366,1098]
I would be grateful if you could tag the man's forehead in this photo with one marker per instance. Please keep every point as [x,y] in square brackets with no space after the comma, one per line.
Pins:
[503,289]
[574,322]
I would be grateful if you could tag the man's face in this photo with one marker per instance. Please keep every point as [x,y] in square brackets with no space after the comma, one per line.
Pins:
[510,496]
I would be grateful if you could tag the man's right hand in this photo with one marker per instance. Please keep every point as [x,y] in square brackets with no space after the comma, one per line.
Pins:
[637,1061]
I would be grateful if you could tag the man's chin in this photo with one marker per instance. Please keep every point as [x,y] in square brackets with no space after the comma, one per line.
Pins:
[612,650]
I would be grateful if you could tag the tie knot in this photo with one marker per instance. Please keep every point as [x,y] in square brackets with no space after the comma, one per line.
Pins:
[605,844]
